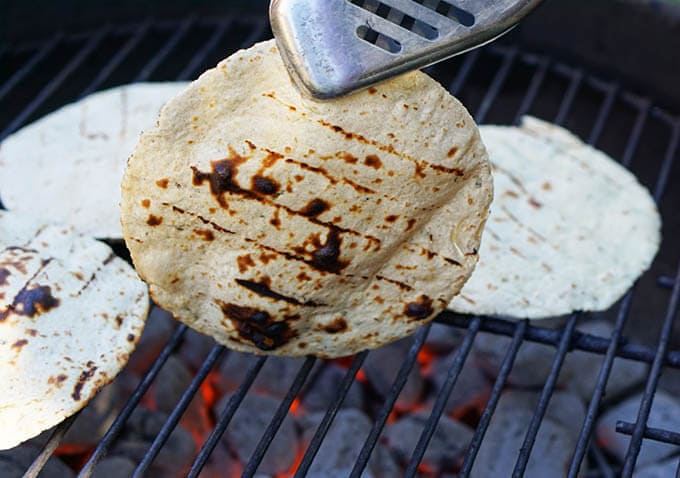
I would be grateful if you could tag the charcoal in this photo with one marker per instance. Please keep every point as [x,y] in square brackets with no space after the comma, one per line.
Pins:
[320,392]
[15,462]
[665,413]
[448,444]
[195,348]
[275,377]
[221,464]
[114,467]
[342,444]
[471,386]
[142,428]
[158,329]
[565,408]
[382,366]
[443,339]
[665,469]
[532,364]
[247,427]
[582,369]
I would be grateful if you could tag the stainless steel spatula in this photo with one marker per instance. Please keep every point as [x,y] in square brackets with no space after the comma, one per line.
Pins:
[333,47]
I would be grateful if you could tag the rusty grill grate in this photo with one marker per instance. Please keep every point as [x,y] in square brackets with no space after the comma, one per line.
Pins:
[499,84]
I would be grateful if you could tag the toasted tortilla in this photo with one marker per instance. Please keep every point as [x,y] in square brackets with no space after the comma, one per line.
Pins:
[70,315]
[67,166]
[282,225]
[570,229]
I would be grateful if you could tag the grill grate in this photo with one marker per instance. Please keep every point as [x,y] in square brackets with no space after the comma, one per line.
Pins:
[500,84]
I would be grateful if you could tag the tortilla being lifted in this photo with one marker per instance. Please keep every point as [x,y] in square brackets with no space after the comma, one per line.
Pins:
[70,315]
[282,225]
[67,166]
[570,229]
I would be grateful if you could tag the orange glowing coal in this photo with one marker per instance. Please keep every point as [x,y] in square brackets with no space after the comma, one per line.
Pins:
[426,359]
[291,472]
[295,407]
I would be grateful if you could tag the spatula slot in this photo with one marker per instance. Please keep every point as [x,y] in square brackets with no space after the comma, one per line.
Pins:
[449,10]
[399,18]
[378,39]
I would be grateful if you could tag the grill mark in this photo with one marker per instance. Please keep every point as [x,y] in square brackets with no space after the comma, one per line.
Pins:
[514,219]
[257,326]
[205,221]
[332,179]
[387,148]
[517,182]
[85,375]
[401,285]
[224,182]
[263,289]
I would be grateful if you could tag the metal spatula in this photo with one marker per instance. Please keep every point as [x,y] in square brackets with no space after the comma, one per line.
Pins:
[333,47]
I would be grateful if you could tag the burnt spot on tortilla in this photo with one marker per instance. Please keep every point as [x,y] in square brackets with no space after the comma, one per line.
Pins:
[535,204]
[392,218]
[205,234]
[263,289]
[452,261]
[4,274]
[400,285]
[420,309]
[372,91]
[326,256]
[338,325]
[264,185]
[146,203]
[32,332]
[221,178]
[58,380]
[85,375]
[257,326]
[130,338]
[349,158]
[19,344]
[303,277]
[411,223]
[547,186]
[31,302]
[276,220]
[315,207]
[452,152]
[302,345]
[511,194]
[373,161]
[119,321]
[154,220]
[162,183]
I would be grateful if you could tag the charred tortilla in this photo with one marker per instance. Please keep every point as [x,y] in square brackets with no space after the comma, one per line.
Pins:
[570,229]
[70,314]
[282,225]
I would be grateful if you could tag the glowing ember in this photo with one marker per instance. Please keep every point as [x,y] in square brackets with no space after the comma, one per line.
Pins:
[295,407]
[426,359]
[298,459]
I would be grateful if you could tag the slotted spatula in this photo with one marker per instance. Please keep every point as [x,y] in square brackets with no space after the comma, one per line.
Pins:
[333,47]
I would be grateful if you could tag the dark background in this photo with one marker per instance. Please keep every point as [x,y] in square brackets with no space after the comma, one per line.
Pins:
[636,40]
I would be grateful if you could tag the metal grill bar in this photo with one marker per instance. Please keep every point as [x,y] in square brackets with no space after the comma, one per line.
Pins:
[658,434]
[390,400]
[492,402]
[496,85]
[546,394]
[52,443]
[463,72]
[162,54]
[117,59]
[653,380]
[117,426]
[55,83]
[328,418]
[28,67]
[442,398]
[178,411]
[279,416]
[189,71]
[225,418]
[580,341]
[534,87]
[603,116]
[565,107]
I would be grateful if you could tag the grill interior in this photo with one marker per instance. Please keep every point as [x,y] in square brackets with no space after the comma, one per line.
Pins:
[499,84]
